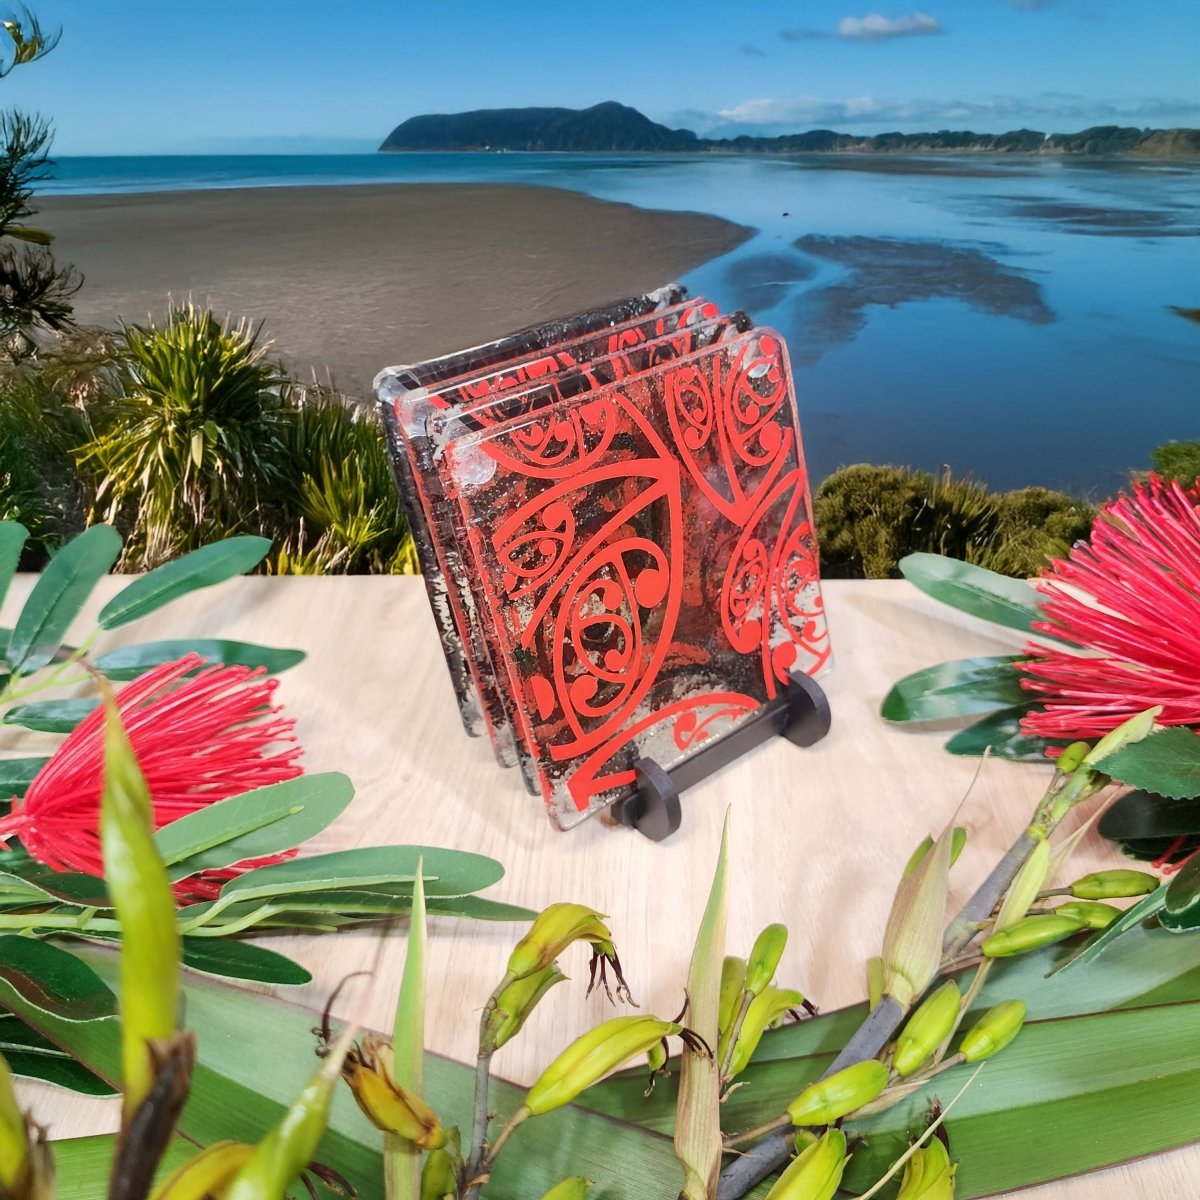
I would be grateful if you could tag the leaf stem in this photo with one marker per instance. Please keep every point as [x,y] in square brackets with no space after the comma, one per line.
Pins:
[483,1068]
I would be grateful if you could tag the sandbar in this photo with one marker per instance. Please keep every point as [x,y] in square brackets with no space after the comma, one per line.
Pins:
[350,279]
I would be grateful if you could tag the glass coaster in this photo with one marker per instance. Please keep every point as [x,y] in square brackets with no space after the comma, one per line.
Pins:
[395,382]
[647,558]
[424,450]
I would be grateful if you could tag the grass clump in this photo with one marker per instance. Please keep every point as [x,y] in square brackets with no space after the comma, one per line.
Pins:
[1178,460]
[870,517]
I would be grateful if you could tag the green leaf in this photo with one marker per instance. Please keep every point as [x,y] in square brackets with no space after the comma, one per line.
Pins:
[402,1159]
[955,689]
[241,960]
[974,590]
[12,542]
[50,716]
[450,873]
[1181,912]
[698,1125]
[265,821]
[1001,731]
[16,774]
[1166,763]
[35,1057]
[51,980]
[81,1165]
[59,595]
[1139,815]
[128,662]
[200,569]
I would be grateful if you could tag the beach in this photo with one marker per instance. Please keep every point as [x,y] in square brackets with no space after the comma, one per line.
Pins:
[348,280]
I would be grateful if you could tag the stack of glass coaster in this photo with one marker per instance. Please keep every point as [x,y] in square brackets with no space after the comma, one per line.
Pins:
[613,520]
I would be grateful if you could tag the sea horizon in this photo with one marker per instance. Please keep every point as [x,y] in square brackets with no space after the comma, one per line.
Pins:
[1006,315]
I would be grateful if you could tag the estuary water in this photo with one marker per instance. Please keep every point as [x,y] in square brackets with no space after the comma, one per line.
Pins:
[1009,318]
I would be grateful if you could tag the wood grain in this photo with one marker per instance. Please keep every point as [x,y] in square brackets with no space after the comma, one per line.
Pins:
[818,836]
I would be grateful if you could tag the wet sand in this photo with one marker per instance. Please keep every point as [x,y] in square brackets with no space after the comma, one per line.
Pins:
[352,279]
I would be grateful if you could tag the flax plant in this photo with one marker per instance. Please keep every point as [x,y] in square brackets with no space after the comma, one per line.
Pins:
[192,440]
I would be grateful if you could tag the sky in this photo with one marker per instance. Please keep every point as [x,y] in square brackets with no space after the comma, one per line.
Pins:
[261,76]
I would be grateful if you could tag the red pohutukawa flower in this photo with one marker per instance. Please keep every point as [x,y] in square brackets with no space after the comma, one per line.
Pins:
[198,740]
[1137,624]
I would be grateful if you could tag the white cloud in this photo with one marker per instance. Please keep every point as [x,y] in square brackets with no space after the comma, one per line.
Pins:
[875,27]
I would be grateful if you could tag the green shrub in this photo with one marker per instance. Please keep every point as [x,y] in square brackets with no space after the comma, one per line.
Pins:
[341,511]
[870,517]
[1178,460]
[190,444]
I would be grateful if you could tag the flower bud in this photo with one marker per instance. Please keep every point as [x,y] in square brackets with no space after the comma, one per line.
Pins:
[993,1031]
[516,1002]
[389,1106]
[764,958]
[927,1028]
[1072,757]
[733,981]
[438,1181]
[928,1174]
[554,929]
[1114,885]
[589,1058]
[1032,933]
[15,1163]
[816,1172]
[204,1174]
[829,1100]
[1132,730]
[1089,913]
[764,1009]
[575,1188]
[290,1146]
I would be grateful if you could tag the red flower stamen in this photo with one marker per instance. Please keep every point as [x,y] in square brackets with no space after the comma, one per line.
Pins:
[1136,624]
[198,740]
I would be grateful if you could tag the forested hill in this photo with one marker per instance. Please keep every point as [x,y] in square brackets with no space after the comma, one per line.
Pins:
[617,127]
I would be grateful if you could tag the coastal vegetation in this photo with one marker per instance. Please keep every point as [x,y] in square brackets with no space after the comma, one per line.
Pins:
[612,127]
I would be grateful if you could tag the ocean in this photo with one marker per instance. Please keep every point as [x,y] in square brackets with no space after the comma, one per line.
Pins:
[1009,318]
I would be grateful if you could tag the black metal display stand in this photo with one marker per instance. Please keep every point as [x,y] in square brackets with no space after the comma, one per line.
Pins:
[801,715]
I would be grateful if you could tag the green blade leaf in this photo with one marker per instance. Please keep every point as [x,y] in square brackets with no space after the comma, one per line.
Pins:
[450,873]
[971,589]
[16,774]
[1139,815]
[955,689]
[59,595]
[698,1126]
[1001,731]
[1181,911]
[1167,763]
[50,716]
[12,542]
[82,1165]
[35,1057]
[241,960]
[200,569]
[50,980]
[128,662]
[402,1159]
[265,821]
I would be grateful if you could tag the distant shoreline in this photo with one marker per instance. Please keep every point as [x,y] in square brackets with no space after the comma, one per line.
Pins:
[349,279]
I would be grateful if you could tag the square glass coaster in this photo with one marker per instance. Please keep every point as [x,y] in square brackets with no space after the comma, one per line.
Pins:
[572,367]
[395,382]
[647,558]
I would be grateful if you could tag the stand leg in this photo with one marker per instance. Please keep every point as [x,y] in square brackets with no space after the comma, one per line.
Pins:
[654,810]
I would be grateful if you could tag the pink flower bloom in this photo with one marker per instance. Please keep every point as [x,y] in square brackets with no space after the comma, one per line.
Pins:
[198,740]
[1137,626]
